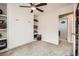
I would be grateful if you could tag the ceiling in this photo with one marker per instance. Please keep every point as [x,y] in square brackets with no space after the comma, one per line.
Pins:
[49,6]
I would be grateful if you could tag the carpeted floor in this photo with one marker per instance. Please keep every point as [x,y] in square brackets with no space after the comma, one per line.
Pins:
[41,48]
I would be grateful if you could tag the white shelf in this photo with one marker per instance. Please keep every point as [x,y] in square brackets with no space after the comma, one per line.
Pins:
[3,38]
[2,29]
[35,33]
[3,15]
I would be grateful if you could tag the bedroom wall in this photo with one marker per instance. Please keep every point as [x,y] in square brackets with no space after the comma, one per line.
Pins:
[70,28]
[49,21]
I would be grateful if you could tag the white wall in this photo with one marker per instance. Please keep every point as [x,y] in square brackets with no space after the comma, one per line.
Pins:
[49,21]
[20,25]
[70,27]
[49,27]
[48,24]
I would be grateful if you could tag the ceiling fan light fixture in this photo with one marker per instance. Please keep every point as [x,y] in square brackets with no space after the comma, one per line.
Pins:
[33,8]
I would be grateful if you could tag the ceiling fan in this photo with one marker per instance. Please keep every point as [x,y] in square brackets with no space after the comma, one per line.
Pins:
[35,7]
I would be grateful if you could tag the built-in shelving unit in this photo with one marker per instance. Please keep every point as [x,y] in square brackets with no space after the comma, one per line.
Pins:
[35,27]
[37,36]
[3,26]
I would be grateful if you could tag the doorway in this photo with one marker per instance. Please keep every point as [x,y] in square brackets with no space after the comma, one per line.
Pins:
[63,28]
[66,26]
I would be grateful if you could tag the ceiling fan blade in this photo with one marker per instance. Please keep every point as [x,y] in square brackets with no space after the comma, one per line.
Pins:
[31,11]
[41,4]
[31,4]
[26,6]
[39,10]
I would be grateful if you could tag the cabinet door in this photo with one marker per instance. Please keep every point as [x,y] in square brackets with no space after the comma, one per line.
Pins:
[20,25]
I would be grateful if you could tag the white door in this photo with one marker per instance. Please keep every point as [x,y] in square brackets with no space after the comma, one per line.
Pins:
[20,25]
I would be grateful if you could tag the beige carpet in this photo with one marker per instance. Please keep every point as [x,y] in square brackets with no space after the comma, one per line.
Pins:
[41,48]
